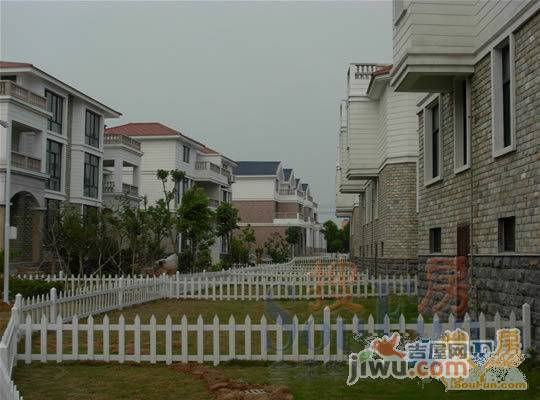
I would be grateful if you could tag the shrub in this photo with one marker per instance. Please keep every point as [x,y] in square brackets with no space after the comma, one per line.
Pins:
[277,248]
[29,288]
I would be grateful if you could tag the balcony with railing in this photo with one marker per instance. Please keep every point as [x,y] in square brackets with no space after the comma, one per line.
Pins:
[288,217]
[118,139]
[24,161]
[9,88]
[127,189]
[208,171]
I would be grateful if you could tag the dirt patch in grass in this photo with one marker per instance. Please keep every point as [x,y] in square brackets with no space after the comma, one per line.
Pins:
[225,388]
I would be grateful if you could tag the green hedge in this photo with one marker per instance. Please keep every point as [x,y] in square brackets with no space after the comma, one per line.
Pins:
[29,288]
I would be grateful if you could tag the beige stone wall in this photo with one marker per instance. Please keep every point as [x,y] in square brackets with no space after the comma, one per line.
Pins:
[393,233]
[501,187]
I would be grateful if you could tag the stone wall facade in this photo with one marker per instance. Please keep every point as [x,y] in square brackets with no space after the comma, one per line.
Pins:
[392,232]
[492,188]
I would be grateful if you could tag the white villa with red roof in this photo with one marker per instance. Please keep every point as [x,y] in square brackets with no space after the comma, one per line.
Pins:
[167,148]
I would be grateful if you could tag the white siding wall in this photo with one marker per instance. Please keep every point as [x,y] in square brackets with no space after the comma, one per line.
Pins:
[253,189]
[401,124]
[451,26]
[362,129]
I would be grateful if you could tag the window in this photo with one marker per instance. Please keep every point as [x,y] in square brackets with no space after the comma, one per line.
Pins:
[461,125]
[91,175]
[54,165]
[502,101]
[435,240]
[12,78]
[185,156]
[507,234]
[382,249]
[224,249]
[52,210]
[55,105]
[92,128]
[432,144]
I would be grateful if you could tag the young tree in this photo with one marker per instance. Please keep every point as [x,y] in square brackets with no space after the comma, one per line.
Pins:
[248,237]
[171,195]
[330,232]
[226,222]
[195,221]
[277,248]
[293,235]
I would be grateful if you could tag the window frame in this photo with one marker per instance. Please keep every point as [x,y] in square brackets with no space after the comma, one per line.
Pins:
[54,118]
[497,98]
[94,139]
[58,165]
[186,154]
[462,125]
[88,176]
[428,143]
[435,246]
[502,238]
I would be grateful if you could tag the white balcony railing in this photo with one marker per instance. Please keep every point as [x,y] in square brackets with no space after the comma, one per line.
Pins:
[26,162]
[289,215]
[213,169]
[109,187]
[114,138]
[8,88]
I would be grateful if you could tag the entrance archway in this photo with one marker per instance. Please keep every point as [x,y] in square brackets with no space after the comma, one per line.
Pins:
[27,216]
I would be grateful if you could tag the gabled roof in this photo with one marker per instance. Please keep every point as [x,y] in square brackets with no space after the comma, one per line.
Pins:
[304,186]
[28,67]
[252,168]
[287,173]
[144,129]
[11,64]
[296,182]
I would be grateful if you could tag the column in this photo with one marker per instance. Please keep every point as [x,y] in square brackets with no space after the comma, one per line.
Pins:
[118,175]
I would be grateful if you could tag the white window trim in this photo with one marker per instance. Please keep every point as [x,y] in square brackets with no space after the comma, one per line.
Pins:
[496,99]
[458,134]
[428,179]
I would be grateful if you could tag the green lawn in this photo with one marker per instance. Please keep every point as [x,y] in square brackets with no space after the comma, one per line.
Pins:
[93,381]
[224,309]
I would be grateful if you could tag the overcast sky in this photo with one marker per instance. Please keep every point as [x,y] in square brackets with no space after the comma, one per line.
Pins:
[255,81]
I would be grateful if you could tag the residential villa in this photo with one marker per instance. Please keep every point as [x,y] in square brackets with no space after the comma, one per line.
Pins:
[168,149]
[270,198]
[52,152]
[478,166]
[377,155]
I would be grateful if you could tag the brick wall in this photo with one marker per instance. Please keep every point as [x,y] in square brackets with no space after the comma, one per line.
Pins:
[255,211]
[288,207]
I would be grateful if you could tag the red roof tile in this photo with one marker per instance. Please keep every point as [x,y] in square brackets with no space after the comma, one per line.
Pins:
[382,70]
[10,64]
[208,150]
[144,129]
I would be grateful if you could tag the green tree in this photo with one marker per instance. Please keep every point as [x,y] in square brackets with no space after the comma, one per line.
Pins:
[195,222]
[226,222]
[171,195]
[293,235]
[248,237]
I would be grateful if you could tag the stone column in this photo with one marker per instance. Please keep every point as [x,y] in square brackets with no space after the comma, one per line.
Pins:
[118,175]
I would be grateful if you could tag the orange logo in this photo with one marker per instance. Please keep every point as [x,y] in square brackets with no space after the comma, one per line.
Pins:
[386,346]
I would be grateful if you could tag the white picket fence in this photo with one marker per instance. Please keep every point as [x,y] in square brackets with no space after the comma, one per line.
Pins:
[8,353]
[276,341]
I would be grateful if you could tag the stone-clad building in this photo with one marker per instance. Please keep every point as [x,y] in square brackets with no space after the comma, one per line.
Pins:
[478,169]
[377,162]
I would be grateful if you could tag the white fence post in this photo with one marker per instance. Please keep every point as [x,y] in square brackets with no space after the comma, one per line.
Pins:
[53,310]
[121,293]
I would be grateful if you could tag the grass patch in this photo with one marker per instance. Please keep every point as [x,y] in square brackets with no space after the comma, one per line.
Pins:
[306,381]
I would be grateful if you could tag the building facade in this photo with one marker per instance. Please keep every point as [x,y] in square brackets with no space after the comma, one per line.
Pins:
[168,149]
[478,171]
[378,150]
[51,153]
[271,198]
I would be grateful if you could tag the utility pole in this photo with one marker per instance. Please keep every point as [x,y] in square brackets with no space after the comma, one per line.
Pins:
[7,206]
